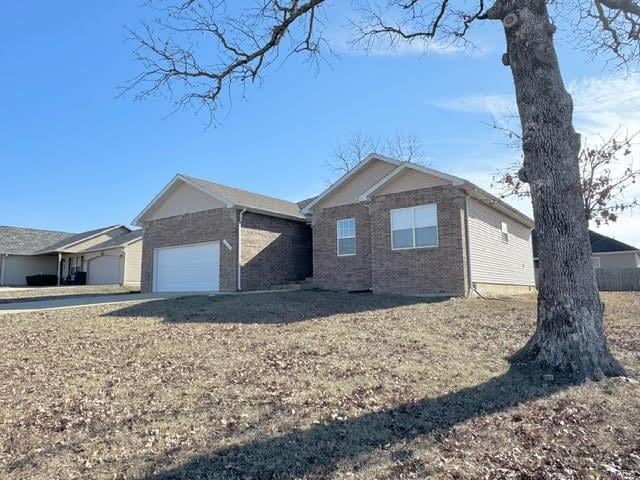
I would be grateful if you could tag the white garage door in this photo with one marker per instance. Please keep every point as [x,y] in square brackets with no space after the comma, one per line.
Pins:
[104,270]
[192,268]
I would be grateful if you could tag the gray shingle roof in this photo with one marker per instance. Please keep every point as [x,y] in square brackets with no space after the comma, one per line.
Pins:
[303,203]
[250,200]
[118,241]
[599,244]
[28,241]
[59,246]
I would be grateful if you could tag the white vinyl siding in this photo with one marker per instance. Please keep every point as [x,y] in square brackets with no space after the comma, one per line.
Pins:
[414,227]
[596,262]
[133,264]
[346,233]
[491,259]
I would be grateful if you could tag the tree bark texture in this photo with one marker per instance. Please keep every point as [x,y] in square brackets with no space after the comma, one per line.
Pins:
[569,335]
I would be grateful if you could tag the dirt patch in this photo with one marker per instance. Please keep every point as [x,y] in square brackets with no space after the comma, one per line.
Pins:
[307,385]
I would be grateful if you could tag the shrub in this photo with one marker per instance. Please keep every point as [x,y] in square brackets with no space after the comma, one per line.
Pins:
[42,280]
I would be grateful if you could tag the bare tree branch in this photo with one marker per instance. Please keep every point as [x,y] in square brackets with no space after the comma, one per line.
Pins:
[347,155]
[237,48]
[603,182]
[608,26]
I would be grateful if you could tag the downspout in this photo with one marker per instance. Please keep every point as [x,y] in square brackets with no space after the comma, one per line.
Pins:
[467,243]
[242,212]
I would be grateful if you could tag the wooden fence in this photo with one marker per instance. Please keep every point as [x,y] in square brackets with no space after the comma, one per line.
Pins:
[615,279]
[618,279]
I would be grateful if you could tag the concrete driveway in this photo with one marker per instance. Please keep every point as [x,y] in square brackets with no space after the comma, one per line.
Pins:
[83,301]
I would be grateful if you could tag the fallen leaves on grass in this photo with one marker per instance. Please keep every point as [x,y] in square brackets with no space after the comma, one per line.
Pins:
[305,385]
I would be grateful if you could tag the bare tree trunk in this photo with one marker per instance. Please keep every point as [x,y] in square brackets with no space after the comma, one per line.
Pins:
[569,336]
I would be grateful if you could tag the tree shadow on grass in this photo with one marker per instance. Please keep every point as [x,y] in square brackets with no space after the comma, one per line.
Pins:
[317,451]
[266,308]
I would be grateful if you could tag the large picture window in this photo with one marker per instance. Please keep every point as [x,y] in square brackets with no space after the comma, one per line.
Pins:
[414,227]
[346,237]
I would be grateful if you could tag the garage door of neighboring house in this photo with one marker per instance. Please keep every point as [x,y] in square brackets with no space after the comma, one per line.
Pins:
[190,268]
[105,270]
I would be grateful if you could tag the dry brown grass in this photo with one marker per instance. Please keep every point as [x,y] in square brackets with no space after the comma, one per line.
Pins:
[10,295]
[306,385]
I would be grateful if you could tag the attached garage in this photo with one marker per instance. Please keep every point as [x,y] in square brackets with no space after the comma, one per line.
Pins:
[187,268]
[203,236]
[105,270]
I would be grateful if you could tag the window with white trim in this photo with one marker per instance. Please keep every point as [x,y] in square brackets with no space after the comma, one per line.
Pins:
[414,227]
[346,230]
[505,232]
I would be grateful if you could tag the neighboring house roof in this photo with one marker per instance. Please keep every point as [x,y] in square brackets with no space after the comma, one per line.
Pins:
[303,203]
[28,241]
[121,241]
[66,243]
[472,189]
[232,197]
[599,244]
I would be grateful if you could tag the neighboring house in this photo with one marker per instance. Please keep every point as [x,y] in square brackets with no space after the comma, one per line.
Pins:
[386,226]
[393,226]
[202,236]
[19,253]
[607,253]
[109,255]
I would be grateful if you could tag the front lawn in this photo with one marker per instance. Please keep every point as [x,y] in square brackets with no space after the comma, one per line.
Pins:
[307,385]
[29,294]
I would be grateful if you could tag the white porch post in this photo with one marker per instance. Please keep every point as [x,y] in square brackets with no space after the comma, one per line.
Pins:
[59,264]
[3,263]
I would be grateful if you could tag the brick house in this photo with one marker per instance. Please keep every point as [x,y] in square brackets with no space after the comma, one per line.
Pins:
[386,226]
[203,236]
[392,226]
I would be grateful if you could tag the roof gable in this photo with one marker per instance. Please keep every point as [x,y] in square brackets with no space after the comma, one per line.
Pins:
[214,195]
[411,179]
[119,241]
[397,179]
[409,176]
[355,182]
[181,198]
[252,201]
[73,243]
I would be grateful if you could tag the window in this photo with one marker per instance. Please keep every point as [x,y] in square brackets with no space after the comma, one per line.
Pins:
[346,237]
[505,232]
[596,262]
[415,227]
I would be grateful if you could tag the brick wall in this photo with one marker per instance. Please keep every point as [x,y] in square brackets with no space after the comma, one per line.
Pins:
[207,226]
[440,270]
[341,273]
[275,251]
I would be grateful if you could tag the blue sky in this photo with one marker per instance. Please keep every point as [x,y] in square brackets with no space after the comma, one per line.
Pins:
[75,157]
